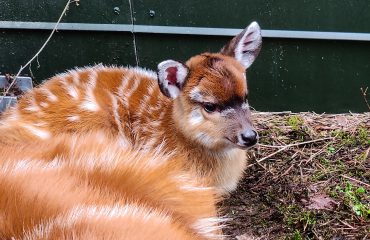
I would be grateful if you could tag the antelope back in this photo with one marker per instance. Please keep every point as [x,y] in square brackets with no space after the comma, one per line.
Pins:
[88,187]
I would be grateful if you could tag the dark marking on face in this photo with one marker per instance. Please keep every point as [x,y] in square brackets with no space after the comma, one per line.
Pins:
[233,102]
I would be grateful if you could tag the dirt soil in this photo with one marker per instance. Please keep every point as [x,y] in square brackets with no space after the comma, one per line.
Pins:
[309,178]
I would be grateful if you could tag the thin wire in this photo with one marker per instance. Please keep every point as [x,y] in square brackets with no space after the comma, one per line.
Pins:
[133,33]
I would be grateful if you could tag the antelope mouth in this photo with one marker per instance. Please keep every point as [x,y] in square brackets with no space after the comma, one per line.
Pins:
[241,146]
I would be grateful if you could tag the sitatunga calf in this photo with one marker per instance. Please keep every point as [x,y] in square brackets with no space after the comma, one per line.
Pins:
[198,109]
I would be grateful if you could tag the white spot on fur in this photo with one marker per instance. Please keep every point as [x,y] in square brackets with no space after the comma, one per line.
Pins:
[227,112]
[196,117]
[210,227]
[195,94]
[87,213]
[148,146]
[117,120]
[156,123]
[40,124]
[192,188]
[74,118]
[44,104]
[123,142]
[72,91]
[116,211]
[32,109]
[124,83]
[185,182]
[128,93]
[43,134]
[49,95]
[90,103]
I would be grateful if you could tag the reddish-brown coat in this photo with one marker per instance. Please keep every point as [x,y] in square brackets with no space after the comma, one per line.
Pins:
[58,190]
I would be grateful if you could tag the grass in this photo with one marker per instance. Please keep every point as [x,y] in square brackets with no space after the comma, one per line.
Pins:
[276,199]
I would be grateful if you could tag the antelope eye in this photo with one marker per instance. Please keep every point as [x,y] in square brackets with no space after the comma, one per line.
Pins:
[210,107]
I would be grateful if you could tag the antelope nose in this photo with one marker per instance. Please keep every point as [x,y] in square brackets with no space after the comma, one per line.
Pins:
[249,137]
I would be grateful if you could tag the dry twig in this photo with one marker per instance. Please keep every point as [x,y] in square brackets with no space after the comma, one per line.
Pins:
[364,95]
[41,49]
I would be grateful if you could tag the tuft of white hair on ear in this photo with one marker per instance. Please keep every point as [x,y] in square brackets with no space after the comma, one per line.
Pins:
[245,46]
[171,77]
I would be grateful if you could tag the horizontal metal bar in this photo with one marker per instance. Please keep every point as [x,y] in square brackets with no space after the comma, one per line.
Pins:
[184,30]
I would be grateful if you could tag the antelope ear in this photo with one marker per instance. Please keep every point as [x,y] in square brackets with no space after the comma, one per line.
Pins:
[246,46]
[171,77]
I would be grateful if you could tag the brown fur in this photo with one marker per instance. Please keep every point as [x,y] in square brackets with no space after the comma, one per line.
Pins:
[89,187]
[101,153]
[127,104]
[136,122]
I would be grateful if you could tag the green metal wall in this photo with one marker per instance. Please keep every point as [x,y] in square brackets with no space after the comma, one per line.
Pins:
[290,74]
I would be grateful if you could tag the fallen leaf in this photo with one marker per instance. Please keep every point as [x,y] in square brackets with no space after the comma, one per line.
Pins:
[341,120]
[321,202]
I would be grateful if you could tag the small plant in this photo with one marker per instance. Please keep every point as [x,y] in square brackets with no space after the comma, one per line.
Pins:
[331,149]
[353,198]
[324,161]
[297,235]
[295,122]
[363,136]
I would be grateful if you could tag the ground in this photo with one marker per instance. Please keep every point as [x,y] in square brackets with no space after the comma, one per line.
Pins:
[309,178]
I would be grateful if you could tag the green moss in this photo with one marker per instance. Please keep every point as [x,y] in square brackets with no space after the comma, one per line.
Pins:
[363,136]
[295,122]
[324,161]
[331,150]
[297,235]
[360,137]
[297,217]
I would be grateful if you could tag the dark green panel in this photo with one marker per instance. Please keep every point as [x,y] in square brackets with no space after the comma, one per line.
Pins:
[315,15]
[288,75]
[88,11]
[297,75]
[66,50]
[321,76]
